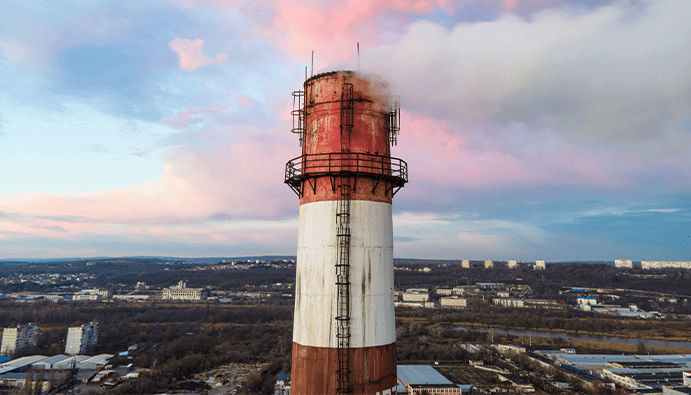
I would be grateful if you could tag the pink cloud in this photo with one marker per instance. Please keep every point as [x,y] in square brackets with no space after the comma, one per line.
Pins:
[231,193]
[246,100]
[192,115]
[234,193]
[191,56]
[332,31]
[445,153]
[509,5]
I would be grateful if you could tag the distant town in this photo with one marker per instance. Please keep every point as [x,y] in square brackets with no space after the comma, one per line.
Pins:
[466,326]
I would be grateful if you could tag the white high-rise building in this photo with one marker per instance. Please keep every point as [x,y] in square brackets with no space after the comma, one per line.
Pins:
[81,339]
[623,263]
[18,337]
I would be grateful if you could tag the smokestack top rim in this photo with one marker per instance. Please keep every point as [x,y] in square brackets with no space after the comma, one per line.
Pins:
[350,73]
[327,73]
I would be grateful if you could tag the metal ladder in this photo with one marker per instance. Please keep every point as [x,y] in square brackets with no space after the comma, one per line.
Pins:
[343,248]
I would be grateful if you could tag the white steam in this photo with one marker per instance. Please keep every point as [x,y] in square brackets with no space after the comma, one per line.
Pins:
[618,75]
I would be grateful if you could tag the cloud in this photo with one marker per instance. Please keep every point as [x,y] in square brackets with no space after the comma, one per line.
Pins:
[191,115]
[615,76]
[619,211]
[302,26]
[191,56]
[232,193]
[442,154]
[502,103]
[54,228]
[509,5]
[332,30]
[403,239]
[13,51]
[468,234]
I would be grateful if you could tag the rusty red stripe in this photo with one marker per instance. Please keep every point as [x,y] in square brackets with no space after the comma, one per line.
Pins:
[314,369]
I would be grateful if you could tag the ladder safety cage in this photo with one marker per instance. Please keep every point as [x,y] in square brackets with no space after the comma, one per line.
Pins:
[394,119]
[298,114]
[343,372]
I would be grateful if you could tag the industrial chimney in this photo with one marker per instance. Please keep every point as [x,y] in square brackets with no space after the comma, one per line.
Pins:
[344,337]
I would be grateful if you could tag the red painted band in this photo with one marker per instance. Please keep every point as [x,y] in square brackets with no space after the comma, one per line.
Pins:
[314,369]
[364,189]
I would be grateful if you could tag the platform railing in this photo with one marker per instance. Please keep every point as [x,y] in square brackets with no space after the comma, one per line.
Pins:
[339,163]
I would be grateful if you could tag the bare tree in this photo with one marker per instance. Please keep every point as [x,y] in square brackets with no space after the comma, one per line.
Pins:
[436,330]
[491,332]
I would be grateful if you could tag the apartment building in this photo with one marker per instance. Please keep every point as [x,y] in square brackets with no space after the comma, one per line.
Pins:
[81,339]
[18,337]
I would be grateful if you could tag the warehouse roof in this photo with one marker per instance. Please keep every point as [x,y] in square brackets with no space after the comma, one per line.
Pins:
[51,360]
[19,363]
[420,375]
[98,359]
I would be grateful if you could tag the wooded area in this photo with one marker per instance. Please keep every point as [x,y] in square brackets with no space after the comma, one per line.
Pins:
[176,339]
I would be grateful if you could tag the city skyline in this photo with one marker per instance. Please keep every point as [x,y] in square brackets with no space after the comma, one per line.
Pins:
[552,130]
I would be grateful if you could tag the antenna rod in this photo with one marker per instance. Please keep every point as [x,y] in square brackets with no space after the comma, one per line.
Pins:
[358,56]
[312,64]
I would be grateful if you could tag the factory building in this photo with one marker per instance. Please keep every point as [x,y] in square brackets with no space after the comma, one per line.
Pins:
[42,373]
[71,362]
[344,329]
[92,294]
[415,295]
[666,264]
[81,339]
[32,382]
[20,364]
[423,379]
[18,337]
[49,363]
[649,372]
[675,390]
[643,378]
[463,289]
[95,362]
[453,301]
[529,303]
[586,300]
[181,292]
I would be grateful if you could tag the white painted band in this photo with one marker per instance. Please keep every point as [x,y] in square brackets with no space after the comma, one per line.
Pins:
[372,320]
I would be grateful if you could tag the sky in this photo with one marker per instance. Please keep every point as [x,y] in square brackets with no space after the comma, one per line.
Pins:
[533,129]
